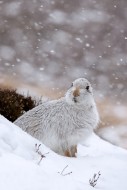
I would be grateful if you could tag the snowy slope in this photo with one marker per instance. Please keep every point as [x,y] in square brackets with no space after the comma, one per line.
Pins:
[20,168]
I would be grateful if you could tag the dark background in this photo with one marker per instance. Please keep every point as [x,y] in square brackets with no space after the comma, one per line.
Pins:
[45,42]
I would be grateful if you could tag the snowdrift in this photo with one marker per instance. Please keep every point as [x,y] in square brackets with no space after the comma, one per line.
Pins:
[26,164]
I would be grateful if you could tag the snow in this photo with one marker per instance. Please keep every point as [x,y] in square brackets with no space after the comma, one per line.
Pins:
[7,52]
[12,9]
[92,16]
[57,17]
[20,168]
[64,33]
[115,134]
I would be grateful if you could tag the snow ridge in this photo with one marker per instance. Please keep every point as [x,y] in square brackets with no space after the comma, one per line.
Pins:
[19,168]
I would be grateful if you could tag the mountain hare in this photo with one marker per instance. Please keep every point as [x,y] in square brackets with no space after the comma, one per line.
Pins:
[62,124]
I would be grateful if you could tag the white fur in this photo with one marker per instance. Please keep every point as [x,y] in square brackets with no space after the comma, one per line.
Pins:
[61,124]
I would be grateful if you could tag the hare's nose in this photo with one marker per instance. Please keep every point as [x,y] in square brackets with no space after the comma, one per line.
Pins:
[76,92]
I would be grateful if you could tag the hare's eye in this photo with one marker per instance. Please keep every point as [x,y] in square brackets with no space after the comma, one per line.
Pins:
[87,87]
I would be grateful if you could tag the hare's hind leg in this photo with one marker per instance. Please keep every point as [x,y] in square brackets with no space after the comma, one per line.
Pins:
[71,152]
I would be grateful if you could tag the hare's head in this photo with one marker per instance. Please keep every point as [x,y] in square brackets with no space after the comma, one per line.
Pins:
[80,92]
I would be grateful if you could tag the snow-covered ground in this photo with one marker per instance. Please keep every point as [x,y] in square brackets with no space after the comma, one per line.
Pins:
[115,134]
[21,166]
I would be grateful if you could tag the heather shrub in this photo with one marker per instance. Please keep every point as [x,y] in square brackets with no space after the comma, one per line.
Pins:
[13,104]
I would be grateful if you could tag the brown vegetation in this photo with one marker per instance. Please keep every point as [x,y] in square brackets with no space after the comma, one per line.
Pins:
[13,104]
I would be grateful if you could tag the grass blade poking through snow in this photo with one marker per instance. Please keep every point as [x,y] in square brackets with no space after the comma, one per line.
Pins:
[94,180]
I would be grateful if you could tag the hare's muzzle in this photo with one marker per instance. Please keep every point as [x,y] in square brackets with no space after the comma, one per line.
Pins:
[76,92]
